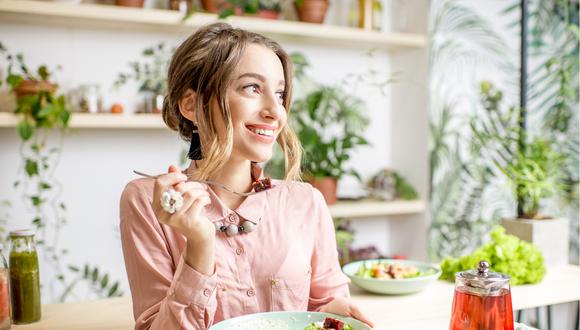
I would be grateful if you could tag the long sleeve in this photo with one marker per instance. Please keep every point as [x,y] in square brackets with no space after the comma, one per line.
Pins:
[166,292]
[328,281]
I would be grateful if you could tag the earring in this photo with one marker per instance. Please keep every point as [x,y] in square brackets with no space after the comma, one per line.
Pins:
[195,147]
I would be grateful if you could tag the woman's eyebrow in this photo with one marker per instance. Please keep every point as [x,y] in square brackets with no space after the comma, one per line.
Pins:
[257,76]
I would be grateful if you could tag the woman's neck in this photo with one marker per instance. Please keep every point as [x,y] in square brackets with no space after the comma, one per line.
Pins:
[235,175]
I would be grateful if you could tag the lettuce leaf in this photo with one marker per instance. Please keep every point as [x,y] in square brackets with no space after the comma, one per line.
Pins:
[506,254]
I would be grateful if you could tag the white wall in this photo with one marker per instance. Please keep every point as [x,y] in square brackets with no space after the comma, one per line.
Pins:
[96,164]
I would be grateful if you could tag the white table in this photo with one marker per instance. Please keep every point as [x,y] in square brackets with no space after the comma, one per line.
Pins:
[429,309]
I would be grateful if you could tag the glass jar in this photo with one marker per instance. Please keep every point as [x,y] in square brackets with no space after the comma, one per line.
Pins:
[24,277]
[482,300]
[5,320]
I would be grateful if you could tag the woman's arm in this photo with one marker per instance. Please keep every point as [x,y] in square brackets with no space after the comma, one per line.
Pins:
[329,291]
[328,281]
[165,295]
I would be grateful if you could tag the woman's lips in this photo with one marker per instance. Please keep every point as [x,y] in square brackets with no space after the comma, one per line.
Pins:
[263,133]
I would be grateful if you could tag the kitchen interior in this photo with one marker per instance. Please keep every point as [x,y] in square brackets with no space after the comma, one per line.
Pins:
[453,108]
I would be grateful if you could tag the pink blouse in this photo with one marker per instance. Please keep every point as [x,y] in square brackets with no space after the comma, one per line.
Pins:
[288,263]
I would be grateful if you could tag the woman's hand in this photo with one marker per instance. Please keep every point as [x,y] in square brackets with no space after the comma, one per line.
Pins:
[343,306]
[190,220]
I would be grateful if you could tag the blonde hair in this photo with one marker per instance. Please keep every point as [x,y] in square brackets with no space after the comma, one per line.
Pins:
[205,63]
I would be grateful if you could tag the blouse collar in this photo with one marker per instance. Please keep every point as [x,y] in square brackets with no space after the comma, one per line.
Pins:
[252,208]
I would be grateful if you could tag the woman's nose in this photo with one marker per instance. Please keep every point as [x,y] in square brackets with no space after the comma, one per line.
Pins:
[271,106]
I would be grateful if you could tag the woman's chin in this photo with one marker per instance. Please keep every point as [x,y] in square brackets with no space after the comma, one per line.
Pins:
[261,158]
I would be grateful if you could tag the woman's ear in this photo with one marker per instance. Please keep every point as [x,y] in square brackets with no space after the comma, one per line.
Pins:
[187,105]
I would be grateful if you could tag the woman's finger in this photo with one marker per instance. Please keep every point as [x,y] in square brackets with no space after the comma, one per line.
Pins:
[189,197]
[198,206]
[357,314]
[166,181]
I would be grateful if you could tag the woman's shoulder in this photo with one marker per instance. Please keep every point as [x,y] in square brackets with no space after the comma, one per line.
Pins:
[301,192]
[138,189]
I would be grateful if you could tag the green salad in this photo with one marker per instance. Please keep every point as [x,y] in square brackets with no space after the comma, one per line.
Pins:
[389,271]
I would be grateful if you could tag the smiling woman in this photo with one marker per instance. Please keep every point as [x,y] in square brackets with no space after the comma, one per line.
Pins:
[196,255]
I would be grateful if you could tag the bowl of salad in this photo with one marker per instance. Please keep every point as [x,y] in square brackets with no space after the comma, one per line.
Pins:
[390,276]
[290,321]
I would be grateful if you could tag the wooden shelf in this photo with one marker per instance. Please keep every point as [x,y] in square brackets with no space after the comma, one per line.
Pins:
[101,121]
[125,18]
[374,208]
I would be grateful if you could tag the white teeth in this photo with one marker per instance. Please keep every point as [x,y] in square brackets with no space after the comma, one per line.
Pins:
[265,132]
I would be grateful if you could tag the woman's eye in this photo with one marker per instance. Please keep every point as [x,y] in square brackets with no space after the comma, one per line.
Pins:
[281,95]
[253,88]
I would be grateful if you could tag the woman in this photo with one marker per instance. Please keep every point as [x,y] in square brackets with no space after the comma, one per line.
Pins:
[195,254]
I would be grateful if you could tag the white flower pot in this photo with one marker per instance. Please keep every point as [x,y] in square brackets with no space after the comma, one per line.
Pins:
[551,236]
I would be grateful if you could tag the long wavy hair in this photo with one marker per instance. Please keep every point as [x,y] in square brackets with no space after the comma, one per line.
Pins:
[205,62]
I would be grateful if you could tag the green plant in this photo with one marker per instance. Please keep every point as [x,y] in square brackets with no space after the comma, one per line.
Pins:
[462,43]
[151,72]
[506,254]
[249,7]
[535,174]
[98,282]
[467,188]
[404,188]
[42,115]
[328,121]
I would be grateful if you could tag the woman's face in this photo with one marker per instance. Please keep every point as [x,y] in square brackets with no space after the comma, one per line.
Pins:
[255,99]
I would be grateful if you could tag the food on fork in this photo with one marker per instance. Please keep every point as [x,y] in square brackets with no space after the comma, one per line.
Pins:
[262,184]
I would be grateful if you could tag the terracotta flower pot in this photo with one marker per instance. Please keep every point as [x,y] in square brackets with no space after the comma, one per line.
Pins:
[130,3]
[31,87]
[312,11]
[212,6]
[269,14]
[327,187]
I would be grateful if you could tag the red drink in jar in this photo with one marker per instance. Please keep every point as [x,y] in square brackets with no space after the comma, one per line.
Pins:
[5,320]
[474,312]
[482,301]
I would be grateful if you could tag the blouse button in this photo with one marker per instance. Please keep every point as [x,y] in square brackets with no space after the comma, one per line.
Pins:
[274,282]
[239,251]
[206,292]
[232,218]
[250,293]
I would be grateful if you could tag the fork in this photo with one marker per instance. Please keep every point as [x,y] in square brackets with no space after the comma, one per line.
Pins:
[209,182]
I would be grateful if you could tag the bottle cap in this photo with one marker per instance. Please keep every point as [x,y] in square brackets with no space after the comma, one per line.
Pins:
[22,233]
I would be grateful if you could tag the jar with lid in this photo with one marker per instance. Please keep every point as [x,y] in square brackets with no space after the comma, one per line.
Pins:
[5,320]
[24,277]
[482,300]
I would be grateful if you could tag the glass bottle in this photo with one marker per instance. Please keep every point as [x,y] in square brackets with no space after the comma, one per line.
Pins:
[5,320]
[24,277]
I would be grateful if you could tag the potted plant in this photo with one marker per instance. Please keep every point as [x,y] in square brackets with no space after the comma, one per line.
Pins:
[535,174]
[150,74]
[130,3]
[312,11]
[259,8]
[37,103]
[328,122]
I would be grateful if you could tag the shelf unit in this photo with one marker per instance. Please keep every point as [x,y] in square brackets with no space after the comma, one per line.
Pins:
[101,121]
[95,16]
[125,18]
[375,208]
